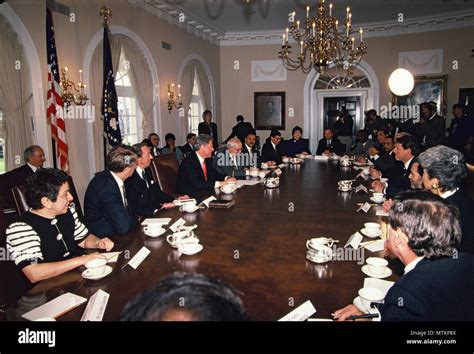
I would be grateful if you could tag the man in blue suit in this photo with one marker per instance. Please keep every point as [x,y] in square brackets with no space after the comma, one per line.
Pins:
[106,208]
[425,233]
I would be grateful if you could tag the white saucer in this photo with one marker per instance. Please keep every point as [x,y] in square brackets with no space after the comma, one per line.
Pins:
[191,211]
[198,248]
[365,270]
[322,260]
[108,270]
[154,235]
[364,233]
[372,199]
[357,303]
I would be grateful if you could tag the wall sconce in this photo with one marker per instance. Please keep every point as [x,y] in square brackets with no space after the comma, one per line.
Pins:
[172,102]
[72,95]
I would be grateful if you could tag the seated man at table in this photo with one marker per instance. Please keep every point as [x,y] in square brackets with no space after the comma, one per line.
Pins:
[189,146]
[271,150]
[406,149]
[363,144]
[228,161]
[330,144]
[49,239]
[250,151]
[106,209]
[196,173]
[186,297]
[424,233]
[383,160]
[297,144]
[143,194]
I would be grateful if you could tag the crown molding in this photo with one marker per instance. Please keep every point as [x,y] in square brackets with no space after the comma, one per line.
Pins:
[371,30]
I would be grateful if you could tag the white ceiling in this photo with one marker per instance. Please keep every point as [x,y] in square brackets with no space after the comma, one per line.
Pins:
[224,16]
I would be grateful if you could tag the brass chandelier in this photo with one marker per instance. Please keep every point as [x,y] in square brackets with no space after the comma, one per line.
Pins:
[322,44]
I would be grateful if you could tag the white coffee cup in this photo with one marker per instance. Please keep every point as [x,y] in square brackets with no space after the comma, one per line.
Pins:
[286,160]
[378,197]
[264,166]
[189,206]
[372,228]
[189,247]
[366,171]
[369,295]
[96,267]
[376,265]
[153,230]
[179,237]
[262,174]
[228,188]
[254,173]
[319,241]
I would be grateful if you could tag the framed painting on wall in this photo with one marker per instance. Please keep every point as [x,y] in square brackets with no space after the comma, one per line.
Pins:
[427,89]
[269,110]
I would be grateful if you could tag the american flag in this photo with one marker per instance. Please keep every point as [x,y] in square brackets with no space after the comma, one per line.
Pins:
[58,127]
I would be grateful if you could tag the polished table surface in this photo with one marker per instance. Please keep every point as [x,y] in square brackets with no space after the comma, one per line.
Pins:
[258,247]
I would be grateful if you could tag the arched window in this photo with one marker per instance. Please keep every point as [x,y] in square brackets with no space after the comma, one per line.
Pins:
[196,106]
[130,115]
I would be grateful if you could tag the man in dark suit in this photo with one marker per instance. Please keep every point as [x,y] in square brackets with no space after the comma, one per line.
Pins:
[106,208]
[34,158]
[363,144]
[433,126]
[424,233]
[330,144]
[383,160]
[406,149]
[229,161]
[240,130]
[271,151]
[250,152]
[189,147]
[209,128]
[155,140]
[144,196]
[196,173]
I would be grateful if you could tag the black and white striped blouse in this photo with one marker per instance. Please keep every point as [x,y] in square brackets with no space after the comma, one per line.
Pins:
[35,239]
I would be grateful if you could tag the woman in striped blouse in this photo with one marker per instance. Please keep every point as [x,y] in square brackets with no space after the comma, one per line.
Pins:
[49,239]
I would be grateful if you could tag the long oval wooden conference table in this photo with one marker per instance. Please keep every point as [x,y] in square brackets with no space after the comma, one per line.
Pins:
[258,247]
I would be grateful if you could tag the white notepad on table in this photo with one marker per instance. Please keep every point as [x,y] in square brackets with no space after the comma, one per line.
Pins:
[56,307]
[156,221]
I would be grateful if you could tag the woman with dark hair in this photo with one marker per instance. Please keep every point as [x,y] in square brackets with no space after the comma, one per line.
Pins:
[296,145]
[444,170]
[171,147]
[49,238]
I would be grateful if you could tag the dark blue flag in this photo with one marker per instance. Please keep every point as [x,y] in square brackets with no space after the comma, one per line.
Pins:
[109,98]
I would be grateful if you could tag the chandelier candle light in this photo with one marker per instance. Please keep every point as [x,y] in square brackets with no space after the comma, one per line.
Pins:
[71,94]
[172,98]
[321,40]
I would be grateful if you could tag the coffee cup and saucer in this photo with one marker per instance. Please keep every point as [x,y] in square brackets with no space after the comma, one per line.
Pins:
[154,230]
[371,230]
[377,198]
[190,249]
[230,188]
[376,267]
[189,207]
[366,297]
[96,269]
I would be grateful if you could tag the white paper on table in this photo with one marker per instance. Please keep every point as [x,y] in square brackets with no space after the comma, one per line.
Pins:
[375,246]
[365,208]
[177,224]
[139,257]
[301,313]
[244,182]
[96,307]
[278,172]
[156,221]
[321,157]
[320,320]
[381,212]
[380,284]
[282,165]
[112,257]
[354,240]
[56,307]
[208,200]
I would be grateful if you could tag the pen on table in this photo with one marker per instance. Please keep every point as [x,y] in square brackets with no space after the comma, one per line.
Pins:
[367,315]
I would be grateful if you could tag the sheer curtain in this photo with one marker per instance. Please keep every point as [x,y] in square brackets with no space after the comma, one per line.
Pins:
[15,95]
[96,85]
[205,85]
[187,84]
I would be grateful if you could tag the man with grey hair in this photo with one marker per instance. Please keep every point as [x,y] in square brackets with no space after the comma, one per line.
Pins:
[424,233]
[228,161]
[106,208]
[444,170]
[34,158]
[196,173]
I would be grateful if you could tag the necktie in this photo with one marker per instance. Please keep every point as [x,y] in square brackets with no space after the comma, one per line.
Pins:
[329,143]
[144,178]
[125,203]
[204,170]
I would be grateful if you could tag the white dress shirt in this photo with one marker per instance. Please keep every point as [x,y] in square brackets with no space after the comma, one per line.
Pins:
[448,193]
[34,168]
[201,160]
[121,187]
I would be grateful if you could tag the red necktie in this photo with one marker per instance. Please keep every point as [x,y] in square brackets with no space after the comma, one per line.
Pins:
[204,170]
